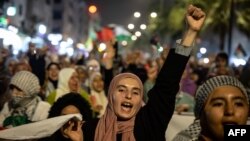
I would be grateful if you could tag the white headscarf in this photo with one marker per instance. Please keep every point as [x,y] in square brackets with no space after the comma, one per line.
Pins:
[63,80]
[100,97]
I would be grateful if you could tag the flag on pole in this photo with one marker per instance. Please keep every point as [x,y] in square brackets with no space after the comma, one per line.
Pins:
[121,33]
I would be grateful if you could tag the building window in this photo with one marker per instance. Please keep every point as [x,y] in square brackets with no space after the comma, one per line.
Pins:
[20,9]
[57,15]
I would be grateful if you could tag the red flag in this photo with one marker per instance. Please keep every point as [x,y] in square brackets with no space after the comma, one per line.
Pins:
[105,34]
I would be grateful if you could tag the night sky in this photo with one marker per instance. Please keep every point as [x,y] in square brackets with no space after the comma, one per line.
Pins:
[121,11]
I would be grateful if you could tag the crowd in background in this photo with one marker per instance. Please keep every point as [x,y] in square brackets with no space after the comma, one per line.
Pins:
[46,79]
[91,76]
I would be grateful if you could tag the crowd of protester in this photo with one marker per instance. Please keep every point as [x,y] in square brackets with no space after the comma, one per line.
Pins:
[36,86]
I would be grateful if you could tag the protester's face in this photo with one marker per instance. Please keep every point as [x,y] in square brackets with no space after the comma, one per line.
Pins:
[74,83]
[127,98]
[98,84]
[22,67]
[226,105]
[17,94]
[53,72]
[92,69]
[70,109]
[82,75]
[221,62]
[32,47]
[15,91]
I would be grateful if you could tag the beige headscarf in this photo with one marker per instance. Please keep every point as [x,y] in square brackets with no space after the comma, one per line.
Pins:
[108,126]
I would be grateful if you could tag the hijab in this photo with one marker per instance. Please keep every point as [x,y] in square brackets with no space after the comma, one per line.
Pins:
[100,97]
[63,82]
[108,126]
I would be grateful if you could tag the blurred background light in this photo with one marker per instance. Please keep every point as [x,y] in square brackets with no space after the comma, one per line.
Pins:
[153,15]
[102,47]
[131,26]
[138,33]
[42,29]
[203,50]
[143,26]
[11,11]
[92,9]
[137,14]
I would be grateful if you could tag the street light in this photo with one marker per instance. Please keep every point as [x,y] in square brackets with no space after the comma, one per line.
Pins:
[92,9]
[143,26]
[138,33]
[131,26]
[137,14]
[153,15]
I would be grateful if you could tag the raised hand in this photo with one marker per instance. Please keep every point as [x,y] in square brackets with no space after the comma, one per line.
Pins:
[73,131]
[195,17]
[108,55]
